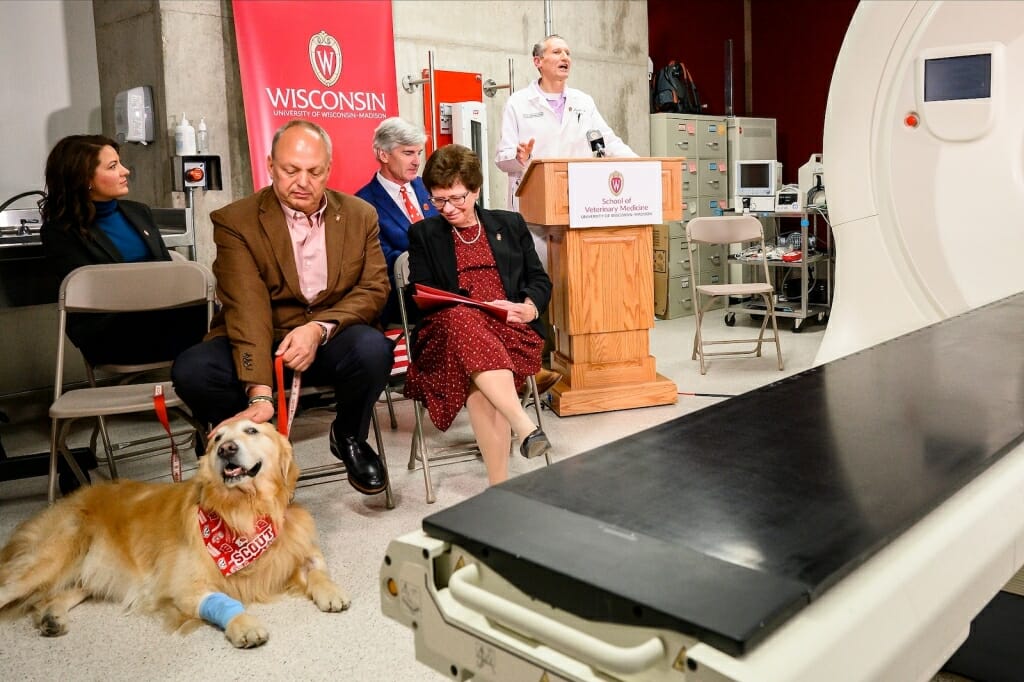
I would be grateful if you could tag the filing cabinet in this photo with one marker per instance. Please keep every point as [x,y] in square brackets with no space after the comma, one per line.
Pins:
[672,269]
[673,296]
[688,135]
[703,142]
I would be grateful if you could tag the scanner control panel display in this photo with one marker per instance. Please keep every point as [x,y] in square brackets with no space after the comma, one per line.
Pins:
[964,77]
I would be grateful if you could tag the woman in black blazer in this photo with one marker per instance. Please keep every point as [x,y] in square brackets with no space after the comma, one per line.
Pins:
[86,221]
[463,355]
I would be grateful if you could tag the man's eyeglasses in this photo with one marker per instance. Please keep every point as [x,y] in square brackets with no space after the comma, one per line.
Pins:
[457,200]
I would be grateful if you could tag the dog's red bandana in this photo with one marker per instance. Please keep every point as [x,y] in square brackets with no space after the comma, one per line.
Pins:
[229,551]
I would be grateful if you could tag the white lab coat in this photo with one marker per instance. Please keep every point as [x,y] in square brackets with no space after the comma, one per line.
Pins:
[528,115]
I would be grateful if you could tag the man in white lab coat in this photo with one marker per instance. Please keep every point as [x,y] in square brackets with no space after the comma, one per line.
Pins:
[548,119]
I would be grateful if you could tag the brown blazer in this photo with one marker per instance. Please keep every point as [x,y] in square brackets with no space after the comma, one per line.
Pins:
[258,284]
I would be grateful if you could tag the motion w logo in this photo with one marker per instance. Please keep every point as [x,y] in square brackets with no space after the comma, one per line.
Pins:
[325,58]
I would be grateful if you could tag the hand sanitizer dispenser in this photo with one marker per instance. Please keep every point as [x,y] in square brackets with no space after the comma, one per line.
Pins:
[184,138]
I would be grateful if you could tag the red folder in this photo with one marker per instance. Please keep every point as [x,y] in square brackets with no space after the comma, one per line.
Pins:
[428,298]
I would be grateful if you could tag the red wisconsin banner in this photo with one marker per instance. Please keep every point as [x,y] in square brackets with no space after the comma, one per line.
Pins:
[329,61]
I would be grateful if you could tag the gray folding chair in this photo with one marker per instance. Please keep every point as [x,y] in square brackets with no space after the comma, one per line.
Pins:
[420,450]
[118,288]
[131,373]
[337,469]
[726,230]
[397,377]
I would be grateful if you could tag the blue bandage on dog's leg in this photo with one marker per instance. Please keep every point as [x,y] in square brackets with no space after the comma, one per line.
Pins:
[218,609]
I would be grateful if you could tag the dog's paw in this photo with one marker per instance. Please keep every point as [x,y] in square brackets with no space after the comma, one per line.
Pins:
[330,598]
[246,632]
[51,625]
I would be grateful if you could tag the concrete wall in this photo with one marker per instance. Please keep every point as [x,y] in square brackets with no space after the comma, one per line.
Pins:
[51,89]
[50,83]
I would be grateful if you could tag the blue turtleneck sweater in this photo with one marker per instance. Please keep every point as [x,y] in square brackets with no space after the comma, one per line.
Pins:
[125,237]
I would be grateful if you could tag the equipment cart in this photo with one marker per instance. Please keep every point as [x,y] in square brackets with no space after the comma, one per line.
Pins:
[816,250]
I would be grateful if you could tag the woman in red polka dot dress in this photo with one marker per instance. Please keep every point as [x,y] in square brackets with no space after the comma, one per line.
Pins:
[462,355]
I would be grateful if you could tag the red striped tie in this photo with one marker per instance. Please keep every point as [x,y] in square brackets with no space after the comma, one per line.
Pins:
[410,208]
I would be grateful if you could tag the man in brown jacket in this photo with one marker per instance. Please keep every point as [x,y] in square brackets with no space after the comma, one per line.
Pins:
[300,274]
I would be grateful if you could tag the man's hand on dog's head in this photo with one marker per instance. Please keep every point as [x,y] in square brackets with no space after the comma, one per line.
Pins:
[257,412]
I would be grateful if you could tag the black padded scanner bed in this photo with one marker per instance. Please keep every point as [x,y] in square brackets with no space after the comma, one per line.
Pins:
[724,523]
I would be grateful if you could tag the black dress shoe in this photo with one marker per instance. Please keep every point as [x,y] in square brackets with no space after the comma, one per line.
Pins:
[366,472]
[534,445]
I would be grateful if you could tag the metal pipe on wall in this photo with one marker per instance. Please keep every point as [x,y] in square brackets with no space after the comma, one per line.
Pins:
[434,126]
[728,77]
[491,88]
[548,30]
[748,66]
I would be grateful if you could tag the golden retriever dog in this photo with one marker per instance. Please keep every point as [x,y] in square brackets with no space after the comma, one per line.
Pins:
[187,551]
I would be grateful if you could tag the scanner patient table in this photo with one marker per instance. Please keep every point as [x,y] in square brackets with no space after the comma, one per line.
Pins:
[846,523]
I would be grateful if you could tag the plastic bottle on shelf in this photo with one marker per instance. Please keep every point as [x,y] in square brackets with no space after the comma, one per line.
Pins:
[184,138]
[202,137]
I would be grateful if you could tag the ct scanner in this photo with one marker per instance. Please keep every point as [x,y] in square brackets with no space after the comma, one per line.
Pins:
[925,217]
[858,540]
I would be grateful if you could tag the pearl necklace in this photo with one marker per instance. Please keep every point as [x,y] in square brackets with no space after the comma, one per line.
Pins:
[479,231]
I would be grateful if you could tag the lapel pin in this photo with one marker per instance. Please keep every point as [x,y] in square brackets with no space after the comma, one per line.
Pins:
[426,206]
[337,217]
[498,237]
[145,232]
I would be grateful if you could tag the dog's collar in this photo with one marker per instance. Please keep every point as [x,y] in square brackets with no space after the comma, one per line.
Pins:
[230,551]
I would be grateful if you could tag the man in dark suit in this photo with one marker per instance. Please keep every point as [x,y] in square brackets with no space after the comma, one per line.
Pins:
[300,274]
[397,193]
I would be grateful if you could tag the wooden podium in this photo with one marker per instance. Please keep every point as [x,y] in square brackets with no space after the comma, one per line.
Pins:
[602,305]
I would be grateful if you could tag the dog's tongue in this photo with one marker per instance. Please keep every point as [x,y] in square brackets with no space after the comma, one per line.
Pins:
[234,471]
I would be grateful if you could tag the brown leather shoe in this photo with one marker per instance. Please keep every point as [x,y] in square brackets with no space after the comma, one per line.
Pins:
[546,380]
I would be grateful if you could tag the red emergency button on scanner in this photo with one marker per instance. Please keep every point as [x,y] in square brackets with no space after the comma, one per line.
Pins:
[911,120]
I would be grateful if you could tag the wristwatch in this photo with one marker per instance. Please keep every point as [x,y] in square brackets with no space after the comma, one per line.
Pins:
[323,334]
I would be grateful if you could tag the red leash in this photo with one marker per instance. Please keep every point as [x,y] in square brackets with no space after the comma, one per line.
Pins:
[160,405]
[286,407]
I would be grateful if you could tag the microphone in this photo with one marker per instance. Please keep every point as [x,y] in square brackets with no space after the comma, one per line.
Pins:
[596,140]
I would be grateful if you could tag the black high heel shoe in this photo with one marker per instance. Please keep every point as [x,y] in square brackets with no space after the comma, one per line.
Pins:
[534,445]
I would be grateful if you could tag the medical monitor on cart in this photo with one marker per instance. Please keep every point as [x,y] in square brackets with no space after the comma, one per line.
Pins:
[756,184]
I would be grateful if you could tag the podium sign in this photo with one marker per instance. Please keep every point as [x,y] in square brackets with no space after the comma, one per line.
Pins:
[602,301]
[614,194]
